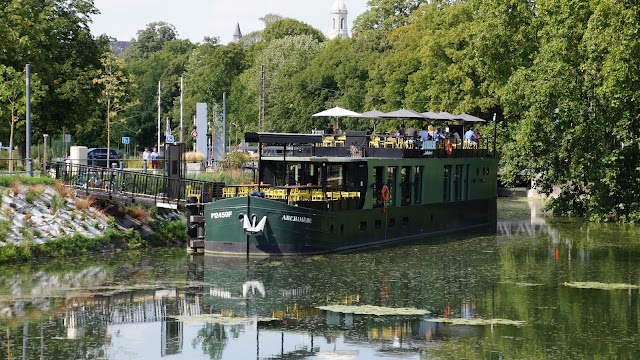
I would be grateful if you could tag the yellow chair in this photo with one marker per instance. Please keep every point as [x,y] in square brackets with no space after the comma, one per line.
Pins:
[327,141]
[317,195]
[374,142]
[391,142]
[340,140]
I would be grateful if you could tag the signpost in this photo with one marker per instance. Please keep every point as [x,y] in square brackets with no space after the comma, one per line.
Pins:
[170,139]
[126,141]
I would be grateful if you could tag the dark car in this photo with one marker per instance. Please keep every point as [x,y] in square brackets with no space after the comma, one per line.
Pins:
[98,157]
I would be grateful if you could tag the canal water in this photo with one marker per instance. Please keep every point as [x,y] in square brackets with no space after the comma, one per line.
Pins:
[536,288]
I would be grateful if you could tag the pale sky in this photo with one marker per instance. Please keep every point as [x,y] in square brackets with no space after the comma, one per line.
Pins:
[195,19]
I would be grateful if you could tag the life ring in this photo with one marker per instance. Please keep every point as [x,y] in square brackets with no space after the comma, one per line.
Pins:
[384,193]
[448,147]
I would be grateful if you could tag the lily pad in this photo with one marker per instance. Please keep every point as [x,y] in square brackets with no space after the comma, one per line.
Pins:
[477,321]
[373,310]
[219,319]
[600,286]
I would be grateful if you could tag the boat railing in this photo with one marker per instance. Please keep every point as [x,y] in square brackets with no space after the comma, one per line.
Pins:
[384,146]
[295,194]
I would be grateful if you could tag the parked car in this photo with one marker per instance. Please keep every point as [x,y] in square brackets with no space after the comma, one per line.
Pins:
[98,157]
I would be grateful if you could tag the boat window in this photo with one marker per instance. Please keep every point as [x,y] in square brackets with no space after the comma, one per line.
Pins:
[363,226]
[457,183]
[417,185]
[405,221]
[405,185]
[392,223]
[377,186]
[378,224]
[466,182]
[334,176]
[446,182]
[391,183]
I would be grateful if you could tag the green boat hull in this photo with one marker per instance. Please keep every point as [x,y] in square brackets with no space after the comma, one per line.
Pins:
[292,230]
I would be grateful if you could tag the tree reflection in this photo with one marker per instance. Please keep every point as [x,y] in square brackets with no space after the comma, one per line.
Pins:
[213,339]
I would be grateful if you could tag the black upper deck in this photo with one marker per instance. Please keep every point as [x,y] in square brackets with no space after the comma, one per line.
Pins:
[359,144]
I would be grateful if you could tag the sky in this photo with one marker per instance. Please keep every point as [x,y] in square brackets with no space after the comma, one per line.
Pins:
[195,19]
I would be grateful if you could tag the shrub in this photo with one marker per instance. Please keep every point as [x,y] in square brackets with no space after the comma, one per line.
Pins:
[5,227]
[56,203]
[61,189]
[30,197]
[236,159]
[140,213]
[15,186]
[84,203]
[193,156]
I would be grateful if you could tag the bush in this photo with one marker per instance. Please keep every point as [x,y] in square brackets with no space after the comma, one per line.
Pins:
[236,159]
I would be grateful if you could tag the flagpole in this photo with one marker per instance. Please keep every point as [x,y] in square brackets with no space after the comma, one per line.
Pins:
[158,144]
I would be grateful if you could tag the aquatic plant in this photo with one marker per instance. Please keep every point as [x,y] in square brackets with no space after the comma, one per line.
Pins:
[373,310]
[477,321]
[600,286]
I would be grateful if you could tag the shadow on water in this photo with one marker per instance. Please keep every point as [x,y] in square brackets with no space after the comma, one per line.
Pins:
[496,294]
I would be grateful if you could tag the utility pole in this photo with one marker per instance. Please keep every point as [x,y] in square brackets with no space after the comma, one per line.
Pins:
[158,144]
[181,106]
[224,119]
[262,77]
[28,120]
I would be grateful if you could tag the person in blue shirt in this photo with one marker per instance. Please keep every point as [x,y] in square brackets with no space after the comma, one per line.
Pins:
[470,136]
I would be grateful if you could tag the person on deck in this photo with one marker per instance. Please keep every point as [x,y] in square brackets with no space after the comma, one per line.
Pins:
[400,131]
[329,130]
[470,136]
[411,132]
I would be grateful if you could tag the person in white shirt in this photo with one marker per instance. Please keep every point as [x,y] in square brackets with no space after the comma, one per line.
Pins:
[146,156]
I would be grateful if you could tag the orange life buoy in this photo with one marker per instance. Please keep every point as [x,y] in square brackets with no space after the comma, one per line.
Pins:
[384,193]
[449,148]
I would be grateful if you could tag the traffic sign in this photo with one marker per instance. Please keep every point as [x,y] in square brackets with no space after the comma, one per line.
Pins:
[125,140]
[194,134]
[170,139]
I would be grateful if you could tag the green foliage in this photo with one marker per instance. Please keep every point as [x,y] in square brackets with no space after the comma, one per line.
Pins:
[282,28]
[56,203]
[236,159]
[6,180]
[5,227]
[150,40]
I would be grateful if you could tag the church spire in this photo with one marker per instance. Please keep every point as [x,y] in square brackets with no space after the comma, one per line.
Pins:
[237,35]
[339,20]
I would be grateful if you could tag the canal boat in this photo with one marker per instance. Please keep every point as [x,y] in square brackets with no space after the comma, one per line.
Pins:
[317,194]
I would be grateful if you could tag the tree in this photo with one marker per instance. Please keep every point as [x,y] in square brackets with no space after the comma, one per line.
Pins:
[290,27]
[150,40]
[13,100]
[384,15]
[54,37]
[114,83]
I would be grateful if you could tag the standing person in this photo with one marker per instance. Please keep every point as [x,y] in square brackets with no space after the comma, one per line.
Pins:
[411,132]
[146,156]
[154,158]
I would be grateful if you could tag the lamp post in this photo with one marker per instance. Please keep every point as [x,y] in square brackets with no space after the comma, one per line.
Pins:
[46,140]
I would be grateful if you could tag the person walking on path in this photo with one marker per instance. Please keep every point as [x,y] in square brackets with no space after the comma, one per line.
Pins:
[154,159]
[146,156]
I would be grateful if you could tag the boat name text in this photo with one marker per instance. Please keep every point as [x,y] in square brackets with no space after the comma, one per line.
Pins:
[300,219]
[221,215]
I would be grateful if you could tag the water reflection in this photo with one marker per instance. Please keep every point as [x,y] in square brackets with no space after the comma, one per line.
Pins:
[166,304]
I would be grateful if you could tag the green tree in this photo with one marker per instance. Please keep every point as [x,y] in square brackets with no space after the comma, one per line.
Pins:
[384,15]
[290,27]
[150,40]
[13,101]
[115,84]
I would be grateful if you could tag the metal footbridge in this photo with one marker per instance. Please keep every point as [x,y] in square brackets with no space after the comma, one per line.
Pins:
[151,187]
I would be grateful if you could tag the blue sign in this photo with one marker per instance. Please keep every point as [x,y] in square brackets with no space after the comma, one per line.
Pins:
[125,140]
[170,139]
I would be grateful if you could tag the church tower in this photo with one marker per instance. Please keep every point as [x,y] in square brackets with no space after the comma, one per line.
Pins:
[338,20]
[237,35]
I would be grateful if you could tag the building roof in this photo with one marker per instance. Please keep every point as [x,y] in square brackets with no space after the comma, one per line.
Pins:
[339,5]
[237,34]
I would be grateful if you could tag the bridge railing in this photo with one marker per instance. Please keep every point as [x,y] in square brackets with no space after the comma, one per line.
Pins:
[133,184]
